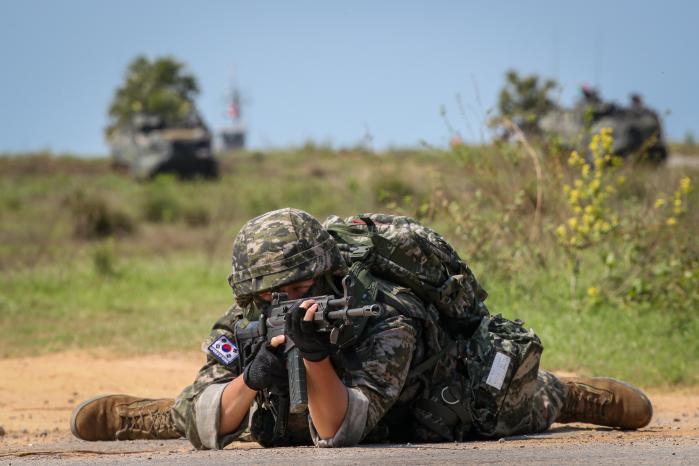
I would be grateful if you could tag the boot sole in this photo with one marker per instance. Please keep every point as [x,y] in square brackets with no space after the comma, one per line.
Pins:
[73,427]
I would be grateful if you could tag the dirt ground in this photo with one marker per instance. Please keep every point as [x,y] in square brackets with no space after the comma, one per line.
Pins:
[39,393]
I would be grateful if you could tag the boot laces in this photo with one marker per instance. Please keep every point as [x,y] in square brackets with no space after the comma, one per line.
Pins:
[148,421]
[590,401]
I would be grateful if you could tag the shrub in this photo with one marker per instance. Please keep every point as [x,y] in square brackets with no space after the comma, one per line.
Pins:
[103,259]
[392,189]
[161,204]
[94,217]
[196,215]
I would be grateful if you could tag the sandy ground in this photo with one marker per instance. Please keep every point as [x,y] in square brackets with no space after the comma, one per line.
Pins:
[38,394]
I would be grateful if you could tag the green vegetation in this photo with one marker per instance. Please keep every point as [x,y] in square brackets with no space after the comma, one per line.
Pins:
[160,87]
[524,99]
[612,292]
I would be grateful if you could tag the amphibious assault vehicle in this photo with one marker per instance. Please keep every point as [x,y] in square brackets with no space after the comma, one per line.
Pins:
[636,129]
[148,147]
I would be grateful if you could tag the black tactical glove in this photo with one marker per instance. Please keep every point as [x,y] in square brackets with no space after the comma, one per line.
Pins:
[312,345]
[267,369]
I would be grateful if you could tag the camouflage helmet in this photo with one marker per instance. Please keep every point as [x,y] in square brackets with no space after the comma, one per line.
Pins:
[281,247]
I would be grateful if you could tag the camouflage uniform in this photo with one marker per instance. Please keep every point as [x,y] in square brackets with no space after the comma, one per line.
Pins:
[406,379]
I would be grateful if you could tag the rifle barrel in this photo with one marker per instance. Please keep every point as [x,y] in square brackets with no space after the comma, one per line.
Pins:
[372,310]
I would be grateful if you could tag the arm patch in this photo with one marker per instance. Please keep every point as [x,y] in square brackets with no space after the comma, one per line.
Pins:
[223,350]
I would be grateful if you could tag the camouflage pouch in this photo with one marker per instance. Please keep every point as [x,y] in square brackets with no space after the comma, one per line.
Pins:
[501,359]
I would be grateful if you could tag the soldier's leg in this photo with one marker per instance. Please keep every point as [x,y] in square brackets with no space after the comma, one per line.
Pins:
[530,406]
[196,413]
[533,406]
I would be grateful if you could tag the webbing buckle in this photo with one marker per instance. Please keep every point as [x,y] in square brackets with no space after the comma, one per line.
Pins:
[359,253]
[450,288]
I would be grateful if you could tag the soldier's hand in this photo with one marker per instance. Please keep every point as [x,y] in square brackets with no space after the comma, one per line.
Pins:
[268,368]
[312,345]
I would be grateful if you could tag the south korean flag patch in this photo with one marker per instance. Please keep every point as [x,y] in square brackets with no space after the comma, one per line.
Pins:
[223,350]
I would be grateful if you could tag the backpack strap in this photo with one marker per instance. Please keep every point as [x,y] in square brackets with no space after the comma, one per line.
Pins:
[451,409]
[371,226]
[430,363]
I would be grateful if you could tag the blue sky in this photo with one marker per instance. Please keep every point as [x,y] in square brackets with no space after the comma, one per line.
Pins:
[335,71]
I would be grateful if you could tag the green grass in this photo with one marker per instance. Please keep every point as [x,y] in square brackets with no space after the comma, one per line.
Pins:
[643,344]
[161,286]
[158,304]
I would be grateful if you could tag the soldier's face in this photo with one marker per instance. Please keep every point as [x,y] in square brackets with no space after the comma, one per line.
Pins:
[293,290]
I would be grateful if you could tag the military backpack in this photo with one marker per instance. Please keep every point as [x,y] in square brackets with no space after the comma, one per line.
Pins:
[405,252]
[496,354]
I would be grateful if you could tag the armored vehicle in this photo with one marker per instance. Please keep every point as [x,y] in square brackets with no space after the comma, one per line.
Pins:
[146,147]
[636,129]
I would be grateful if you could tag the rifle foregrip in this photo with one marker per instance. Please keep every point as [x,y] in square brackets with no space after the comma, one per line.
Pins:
[298,396]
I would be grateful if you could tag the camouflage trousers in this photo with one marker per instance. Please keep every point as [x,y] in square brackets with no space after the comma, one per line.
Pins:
[531,408]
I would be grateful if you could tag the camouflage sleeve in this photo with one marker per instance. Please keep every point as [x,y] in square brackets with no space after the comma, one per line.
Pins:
[196,410]
[385,354]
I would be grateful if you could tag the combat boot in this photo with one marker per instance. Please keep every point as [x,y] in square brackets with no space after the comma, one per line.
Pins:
[605,402]
[123,417]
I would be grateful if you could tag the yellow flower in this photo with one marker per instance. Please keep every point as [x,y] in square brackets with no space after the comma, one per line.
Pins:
[607,139]
[672,221]
[678,202]
[592,292]
[573,159]
[572,222]
[561,231]
[659,203]
[621,179]
[685,185]
[585,170]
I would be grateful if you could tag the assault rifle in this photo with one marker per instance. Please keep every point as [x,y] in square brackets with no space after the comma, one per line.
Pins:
[334,316]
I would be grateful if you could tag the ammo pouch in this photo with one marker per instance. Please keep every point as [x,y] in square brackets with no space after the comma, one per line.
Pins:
[501,358]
